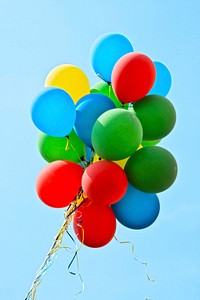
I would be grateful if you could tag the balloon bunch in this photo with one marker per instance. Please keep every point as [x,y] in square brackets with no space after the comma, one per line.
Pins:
[101,142]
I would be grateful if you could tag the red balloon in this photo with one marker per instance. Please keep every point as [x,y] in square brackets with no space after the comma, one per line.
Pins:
[133,77]
[104,182]
[59,182]
[94,225]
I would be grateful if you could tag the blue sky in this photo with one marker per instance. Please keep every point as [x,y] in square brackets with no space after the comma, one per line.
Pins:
[35,37]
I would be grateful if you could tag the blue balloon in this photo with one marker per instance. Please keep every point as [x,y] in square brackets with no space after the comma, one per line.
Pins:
[136,210]
[106,51]
[89,109]
[53,112]
[163,80]
[89,154]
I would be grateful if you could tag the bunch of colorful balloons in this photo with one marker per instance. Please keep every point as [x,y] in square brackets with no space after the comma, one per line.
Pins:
[101,142]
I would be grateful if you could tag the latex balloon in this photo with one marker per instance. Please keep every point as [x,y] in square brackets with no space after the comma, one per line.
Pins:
[149,143]
[137,210]
[65,148]
[97,158]
[133,77]
[59,182]
[106,51]
[104,88]
[89,154]
[94,225]
[163,80]
[120,163]
[87,112]
[69,78]
[157,116]
[116,134]
[151,169]
[53,112]
[104,182]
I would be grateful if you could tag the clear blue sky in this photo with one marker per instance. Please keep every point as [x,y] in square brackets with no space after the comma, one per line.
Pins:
[35,37]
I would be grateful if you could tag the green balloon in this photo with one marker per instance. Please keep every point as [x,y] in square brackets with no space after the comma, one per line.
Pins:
[157,116]
[151,169]
[150,143]
[116,134]
[65,148]
[106,89]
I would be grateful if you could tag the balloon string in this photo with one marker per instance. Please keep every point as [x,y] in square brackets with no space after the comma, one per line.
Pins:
[75,253]
[109,94]
[109,90]
[143,263]
[99,75]
[125,242]
[77,266]
[80,277]
[67,144]
[81,159]
[146,265]
[55,246]
[75,257]
[90,161]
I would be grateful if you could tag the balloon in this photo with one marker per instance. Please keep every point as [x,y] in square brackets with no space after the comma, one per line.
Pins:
[116,134]
[106,51]
[120,163]
[90,108]
[59,182]
[104,182]
[97,158]
[106,89]
[89,154]
[133,76]
[151,169]
[140,146]
[163,80]
[66,148]
[149,143]
[157,116]
[69,78]
[53,112]
[136,210]
[94,225]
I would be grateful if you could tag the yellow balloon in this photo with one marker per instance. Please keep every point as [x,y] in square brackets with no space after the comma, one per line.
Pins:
[96,158]
[120,163]
[69,78]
